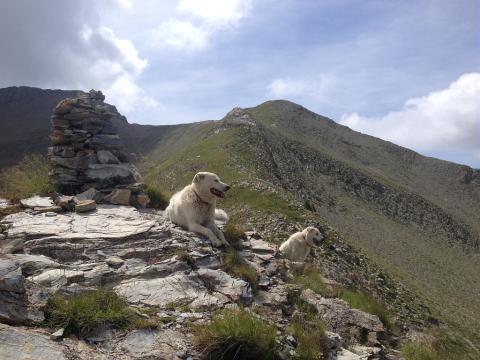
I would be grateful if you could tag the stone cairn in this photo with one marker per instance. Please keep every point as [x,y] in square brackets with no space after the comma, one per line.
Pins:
[87,157]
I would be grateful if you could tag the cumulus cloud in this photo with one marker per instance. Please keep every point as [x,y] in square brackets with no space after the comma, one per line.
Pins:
[443,122]
[217,12]
[180,34]
[300,88]
[64,45]
[197,22]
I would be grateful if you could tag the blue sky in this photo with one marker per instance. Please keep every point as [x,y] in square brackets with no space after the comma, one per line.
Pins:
[405,71]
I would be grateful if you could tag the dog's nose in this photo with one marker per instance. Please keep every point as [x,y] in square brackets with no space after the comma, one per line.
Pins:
[227,188]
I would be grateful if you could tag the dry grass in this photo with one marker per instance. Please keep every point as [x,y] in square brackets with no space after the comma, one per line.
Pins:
[235,265]
[27,178]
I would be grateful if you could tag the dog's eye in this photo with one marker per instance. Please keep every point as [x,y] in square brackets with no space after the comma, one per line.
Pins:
[216,180]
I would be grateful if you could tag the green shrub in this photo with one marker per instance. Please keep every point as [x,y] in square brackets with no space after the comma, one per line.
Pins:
[235,265]
[416,350]
[234,233]
[158,199]
[237,334]
[310,335]
[27,178]
[311,279]
[83,313]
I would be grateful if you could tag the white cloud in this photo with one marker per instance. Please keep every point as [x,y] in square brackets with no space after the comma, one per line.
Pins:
[115,67]
[217,12]
[197,22]
[444,121]
[180,34]
[312,88]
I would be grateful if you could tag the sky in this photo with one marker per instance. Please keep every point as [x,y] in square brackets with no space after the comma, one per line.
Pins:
[407,71]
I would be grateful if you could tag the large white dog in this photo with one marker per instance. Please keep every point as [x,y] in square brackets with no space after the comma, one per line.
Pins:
[298,245]
[194,207]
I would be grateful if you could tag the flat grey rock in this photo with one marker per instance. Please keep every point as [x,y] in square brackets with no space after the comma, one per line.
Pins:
[177,288]
[106,157]
[37,202]
[107,222]
[19,344]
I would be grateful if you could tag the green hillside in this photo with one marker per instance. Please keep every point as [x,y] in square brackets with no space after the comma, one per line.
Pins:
[415,216]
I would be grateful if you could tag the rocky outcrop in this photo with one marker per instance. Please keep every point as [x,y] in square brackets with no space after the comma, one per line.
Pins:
[352,324]
[22,344]
[153,265]
[87,152]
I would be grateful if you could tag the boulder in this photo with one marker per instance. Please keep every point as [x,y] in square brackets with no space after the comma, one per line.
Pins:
[111,174]
[37,202]
[85,205]
[353,325]
[142,200]
[106,157]
[90,194]
[119,197]
[114,261]
[58,277]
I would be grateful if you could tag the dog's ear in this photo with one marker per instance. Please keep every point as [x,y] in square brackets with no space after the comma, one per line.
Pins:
[198,177]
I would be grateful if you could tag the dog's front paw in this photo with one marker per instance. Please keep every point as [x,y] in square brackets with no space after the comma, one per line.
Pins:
[216,242]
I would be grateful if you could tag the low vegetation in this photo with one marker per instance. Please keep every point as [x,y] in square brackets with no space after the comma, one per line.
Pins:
[361,301]
[83,313]
[234,233]
[311,279]
[234,264]
[158,199]
[310,336]
[416,350]
[27,178]
[237,334]
[9,210]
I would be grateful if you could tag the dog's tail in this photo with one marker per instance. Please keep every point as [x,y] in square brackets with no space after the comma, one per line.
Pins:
[221,215]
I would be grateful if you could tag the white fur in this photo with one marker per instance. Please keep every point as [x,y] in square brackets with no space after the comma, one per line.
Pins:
[298,245]
[194,207]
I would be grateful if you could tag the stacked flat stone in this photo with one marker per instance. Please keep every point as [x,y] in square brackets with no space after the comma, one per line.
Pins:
[87,153]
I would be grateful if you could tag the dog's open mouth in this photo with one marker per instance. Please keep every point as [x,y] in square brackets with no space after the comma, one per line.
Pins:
[217,193]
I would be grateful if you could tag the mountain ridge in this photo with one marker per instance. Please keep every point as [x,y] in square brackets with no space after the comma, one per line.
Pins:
[418,217]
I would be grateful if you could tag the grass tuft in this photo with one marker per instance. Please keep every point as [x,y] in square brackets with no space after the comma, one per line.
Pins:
[310,335]
[83,313]
[234,233]
[237,334]
[416,350]
[158,199]
[27,178]
[361,301]
[234,264]
[311,279]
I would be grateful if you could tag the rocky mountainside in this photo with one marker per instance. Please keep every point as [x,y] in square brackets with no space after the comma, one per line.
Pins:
[418,217]
[400,227]
[166,274]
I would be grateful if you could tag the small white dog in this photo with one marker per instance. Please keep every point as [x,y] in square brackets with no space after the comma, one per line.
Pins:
[194,207]
[298,245]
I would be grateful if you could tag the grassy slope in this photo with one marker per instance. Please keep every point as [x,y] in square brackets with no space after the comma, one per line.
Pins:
[444,276]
